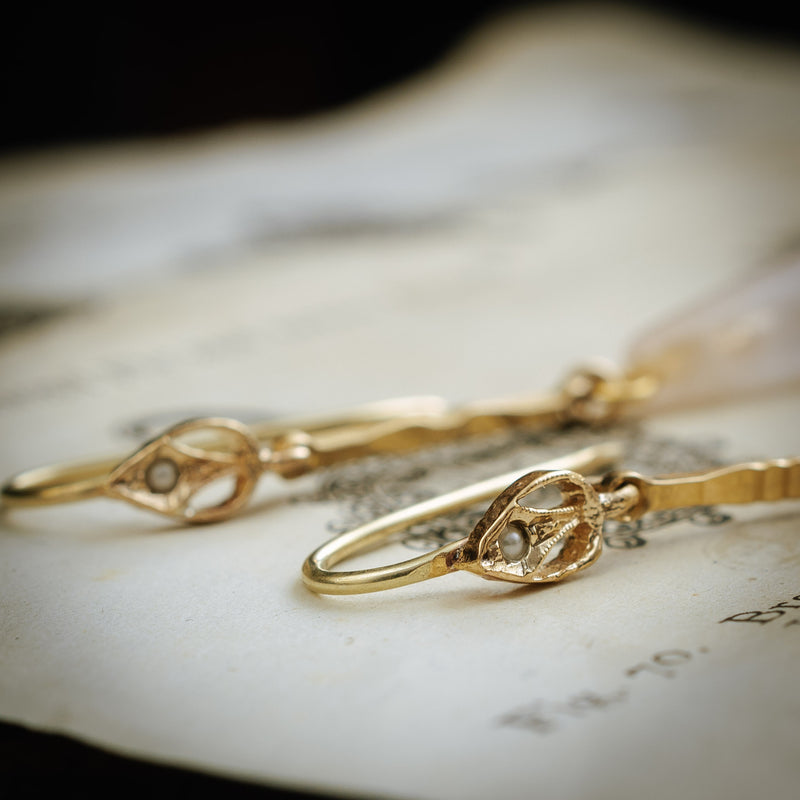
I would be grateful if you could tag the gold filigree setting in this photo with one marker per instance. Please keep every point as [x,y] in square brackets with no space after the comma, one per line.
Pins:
[170,472]
[560,540]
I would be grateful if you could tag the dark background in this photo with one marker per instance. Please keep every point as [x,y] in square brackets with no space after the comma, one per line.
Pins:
[72,74]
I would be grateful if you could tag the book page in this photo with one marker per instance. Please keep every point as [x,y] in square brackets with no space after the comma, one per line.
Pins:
[666,669]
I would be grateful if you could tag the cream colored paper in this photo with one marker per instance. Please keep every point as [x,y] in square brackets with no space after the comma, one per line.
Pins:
[200,646]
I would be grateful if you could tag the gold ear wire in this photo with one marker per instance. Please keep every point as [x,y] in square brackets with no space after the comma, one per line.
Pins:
[291,448]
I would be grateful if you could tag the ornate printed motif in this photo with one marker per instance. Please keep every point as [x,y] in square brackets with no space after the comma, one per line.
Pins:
[372,488]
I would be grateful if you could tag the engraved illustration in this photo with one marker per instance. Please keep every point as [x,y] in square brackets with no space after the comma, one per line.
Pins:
[377,486]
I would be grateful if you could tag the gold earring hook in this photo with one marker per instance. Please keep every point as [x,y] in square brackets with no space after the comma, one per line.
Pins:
[292,448]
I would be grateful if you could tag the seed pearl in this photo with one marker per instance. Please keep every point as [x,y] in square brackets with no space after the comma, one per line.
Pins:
[513,544]
[162,475]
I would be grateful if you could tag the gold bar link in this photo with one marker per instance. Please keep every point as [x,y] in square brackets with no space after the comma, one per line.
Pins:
[758,481]
[412,433]
[586,397]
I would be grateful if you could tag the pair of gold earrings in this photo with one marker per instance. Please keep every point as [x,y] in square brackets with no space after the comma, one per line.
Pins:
[543,523]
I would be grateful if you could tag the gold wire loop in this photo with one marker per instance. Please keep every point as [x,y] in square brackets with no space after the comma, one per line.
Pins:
[58,483]
[463,554]
[599,393]
[587,398]
[291,454]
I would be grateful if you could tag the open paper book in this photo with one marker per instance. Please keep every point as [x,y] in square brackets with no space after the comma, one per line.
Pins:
[461,244]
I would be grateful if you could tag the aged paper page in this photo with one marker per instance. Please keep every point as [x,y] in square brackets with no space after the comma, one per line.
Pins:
[667,669]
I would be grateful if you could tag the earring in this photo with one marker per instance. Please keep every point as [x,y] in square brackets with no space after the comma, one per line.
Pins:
[528,536]
[746,339]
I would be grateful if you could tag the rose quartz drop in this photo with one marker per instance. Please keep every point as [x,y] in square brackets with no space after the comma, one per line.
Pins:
[741,342]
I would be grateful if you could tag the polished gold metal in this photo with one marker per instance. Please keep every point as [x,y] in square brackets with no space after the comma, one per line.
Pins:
[526,542]
[205,451]
[197,453]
